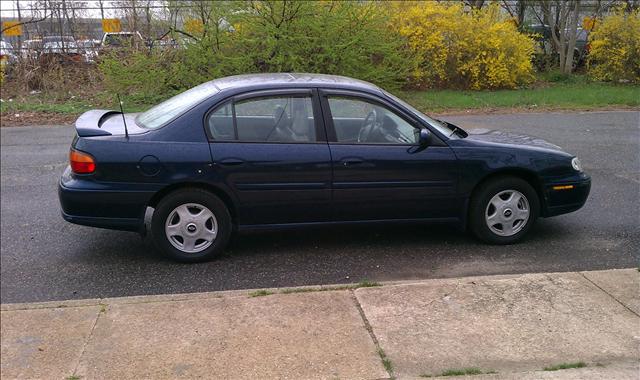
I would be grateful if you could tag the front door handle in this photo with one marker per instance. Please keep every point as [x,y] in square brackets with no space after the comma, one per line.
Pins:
[352,161]
[231,162]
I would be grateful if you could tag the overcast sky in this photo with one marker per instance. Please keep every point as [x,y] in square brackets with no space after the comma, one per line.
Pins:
[8,8]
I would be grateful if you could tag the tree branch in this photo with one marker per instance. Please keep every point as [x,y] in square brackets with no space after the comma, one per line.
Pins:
[32,21]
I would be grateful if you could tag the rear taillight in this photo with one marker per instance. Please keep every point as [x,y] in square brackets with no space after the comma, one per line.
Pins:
[81,163]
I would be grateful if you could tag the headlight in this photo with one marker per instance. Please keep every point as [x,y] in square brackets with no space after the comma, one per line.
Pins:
[575,163]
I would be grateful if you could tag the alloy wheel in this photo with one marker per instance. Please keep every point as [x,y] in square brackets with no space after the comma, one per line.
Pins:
[507,213]
[191,228]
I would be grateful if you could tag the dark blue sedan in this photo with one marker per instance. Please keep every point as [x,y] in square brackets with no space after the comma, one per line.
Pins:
[278,150]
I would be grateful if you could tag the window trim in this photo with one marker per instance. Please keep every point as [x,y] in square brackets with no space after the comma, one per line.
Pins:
[318,121]
[332,136]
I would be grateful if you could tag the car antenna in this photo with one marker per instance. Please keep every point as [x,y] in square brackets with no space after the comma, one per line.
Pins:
[124,120]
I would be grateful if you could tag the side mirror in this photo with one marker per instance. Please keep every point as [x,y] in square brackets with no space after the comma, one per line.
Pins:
[424,138]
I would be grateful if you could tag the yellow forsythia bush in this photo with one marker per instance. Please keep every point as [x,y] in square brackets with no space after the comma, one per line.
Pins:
[482,49]
[615,48]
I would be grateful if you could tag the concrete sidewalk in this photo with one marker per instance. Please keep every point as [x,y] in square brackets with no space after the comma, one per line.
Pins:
[512,325]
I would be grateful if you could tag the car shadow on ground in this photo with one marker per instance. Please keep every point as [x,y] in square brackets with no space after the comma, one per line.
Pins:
[374,240]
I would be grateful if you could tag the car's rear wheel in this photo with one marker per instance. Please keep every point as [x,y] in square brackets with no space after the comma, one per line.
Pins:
[191,225]
[503,210]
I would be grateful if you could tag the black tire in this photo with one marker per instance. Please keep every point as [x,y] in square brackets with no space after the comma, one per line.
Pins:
[186,196]
[480,202]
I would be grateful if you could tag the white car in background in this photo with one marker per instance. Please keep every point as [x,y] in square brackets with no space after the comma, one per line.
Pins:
[60,45]
[30,49]
[122,39]
[89,48]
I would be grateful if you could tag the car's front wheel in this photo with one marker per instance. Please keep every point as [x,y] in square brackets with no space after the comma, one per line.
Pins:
[191,225]
[503,210]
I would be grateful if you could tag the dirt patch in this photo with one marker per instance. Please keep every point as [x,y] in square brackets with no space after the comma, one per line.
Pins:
[17,119]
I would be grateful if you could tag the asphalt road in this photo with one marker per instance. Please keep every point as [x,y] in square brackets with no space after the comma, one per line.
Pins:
[44,258]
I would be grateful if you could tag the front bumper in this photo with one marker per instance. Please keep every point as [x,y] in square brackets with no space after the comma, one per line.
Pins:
[89,203]
[566,194]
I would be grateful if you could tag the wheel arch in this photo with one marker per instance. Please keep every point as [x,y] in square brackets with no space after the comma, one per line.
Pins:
[525,174]
[220,193]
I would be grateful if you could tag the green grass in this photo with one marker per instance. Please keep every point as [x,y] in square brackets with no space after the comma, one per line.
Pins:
[552,91]
[566,366]
[462,372]
[73,377]
[367,284]
[260,293]
[578,94]
[362,284]
[386,362]
[66,106]
[36,105]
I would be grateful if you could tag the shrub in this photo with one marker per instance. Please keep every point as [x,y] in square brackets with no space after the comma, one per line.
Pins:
[615,48]
[58,80]
[141,74]
[332,37]
[477,50]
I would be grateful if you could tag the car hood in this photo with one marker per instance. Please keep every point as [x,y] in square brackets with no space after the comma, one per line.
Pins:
[509,138]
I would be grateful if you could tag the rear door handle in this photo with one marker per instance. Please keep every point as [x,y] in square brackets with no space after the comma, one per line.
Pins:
[352,161]
[231,161]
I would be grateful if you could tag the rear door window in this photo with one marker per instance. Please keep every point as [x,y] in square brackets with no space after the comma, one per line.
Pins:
[278,119]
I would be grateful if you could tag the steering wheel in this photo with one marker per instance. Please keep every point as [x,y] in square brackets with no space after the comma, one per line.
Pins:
[368,125]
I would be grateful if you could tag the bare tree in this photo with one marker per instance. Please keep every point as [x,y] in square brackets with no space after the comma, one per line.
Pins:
[516,9]
[562,18]
[36,17]
[101,5]
[631,5]
[477,4]
[130,10]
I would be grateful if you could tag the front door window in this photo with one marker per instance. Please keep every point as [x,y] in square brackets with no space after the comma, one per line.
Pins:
[358,121]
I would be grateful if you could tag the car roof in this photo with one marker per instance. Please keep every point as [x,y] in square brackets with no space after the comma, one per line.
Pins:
[278,80]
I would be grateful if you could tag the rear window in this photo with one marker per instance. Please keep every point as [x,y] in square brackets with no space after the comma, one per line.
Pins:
[166,111]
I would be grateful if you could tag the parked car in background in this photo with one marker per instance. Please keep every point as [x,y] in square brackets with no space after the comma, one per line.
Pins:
[7,55]
[89,48]
[122,39]
[543,36]
[582,48]
[277,150]
[31,49]
[59,44]
[60,49]
[165,44]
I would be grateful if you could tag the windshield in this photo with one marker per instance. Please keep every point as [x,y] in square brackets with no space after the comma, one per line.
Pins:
[160,114]
[440,126]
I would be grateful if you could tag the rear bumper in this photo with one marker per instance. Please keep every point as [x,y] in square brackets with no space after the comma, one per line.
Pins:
[94,204]
[566,195]
[122,224]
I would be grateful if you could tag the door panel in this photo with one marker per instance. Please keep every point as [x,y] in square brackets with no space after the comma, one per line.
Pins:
[379,170]
[268,149]
[393,182]
[276,183]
